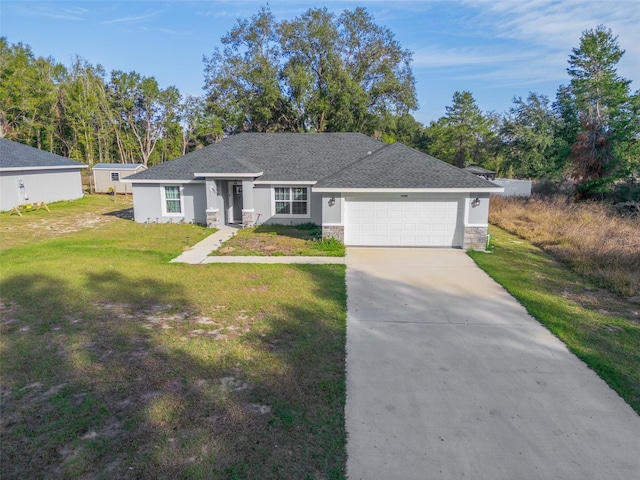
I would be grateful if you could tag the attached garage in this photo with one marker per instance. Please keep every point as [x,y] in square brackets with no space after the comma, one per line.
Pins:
[404,220]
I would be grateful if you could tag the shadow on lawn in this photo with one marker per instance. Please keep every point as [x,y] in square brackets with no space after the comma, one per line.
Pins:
[116,383]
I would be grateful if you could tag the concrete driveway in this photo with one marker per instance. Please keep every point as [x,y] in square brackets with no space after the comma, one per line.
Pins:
[449,377]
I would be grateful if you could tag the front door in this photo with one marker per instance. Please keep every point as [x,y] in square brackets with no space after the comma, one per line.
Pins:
[237,203]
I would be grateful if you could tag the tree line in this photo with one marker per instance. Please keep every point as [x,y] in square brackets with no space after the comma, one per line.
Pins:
[322,72]
[81,113]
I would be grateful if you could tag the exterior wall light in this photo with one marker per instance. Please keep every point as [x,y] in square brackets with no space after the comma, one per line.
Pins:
[332,201]
[475,202]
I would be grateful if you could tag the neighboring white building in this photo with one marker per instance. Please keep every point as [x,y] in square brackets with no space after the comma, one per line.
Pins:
[29,175]
[108,175]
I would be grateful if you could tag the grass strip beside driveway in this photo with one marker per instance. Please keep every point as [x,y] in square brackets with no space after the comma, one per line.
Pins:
[118,364]
[606,343]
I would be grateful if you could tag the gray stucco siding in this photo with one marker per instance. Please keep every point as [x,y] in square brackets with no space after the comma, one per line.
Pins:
[478,214]
[39,186]
[263,206]
[148,203]
[332,210]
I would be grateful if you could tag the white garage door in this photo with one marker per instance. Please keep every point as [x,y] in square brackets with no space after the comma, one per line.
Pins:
[420,222]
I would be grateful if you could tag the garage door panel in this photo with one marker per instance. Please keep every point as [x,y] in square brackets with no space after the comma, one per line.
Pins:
[423,222]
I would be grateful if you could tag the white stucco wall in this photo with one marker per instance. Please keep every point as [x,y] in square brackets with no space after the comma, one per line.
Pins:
[147,203]
[513,188]
[39,186]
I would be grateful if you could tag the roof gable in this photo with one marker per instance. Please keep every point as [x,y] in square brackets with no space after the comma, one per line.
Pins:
[16,156]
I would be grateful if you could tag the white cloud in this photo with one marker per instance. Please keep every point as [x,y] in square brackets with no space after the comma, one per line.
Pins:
[555,27]
[136,19]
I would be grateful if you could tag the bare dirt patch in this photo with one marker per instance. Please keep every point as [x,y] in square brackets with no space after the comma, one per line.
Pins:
[65,218]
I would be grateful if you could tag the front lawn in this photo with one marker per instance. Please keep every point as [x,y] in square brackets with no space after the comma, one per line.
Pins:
[118,364]
[272,240]
[600,328]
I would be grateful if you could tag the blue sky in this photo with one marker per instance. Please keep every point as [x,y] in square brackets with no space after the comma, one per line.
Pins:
[495,49]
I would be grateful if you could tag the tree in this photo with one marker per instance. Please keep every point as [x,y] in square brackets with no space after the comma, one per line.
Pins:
[316,72]
[606,115]
[28,96]
[462,136]
[198,128]
[529,139]
[143,112]
[87,131]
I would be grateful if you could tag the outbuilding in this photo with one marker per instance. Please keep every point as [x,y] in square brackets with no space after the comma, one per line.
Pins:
[107,176]
[32,176]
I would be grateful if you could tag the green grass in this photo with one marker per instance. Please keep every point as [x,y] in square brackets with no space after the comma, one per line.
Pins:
[118,364]
[606,343]
[279,240]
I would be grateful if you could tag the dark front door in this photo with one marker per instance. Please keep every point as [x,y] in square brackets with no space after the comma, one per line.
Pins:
[237,203]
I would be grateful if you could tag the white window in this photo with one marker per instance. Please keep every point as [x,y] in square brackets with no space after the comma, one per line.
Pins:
[291,201]
[171,200]
[115,176]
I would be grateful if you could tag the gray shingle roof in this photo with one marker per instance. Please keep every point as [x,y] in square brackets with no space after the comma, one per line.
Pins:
[280,156]
[15,155]
[335,160]
[399,166]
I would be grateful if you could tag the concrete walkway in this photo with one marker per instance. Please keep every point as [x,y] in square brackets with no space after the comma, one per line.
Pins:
[448,377]
[199,253]
[201,250]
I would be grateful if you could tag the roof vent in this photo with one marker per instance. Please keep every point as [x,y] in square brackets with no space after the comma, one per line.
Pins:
[369,153]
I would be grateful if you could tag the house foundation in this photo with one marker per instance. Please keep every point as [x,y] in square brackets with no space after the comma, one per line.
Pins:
[333,231]
[475,238]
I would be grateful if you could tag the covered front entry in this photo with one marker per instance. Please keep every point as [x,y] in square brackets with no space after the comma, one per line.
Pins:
[416,221]
[236,204]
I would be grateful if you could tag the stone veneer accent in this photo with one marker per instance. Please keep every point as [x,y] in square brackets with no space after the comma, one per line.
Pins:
[475,238]
[333,231]
[248,218]
[213,218]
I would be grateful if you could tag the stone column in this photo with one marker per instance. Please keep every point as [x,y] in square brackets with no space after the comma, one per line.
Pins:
[213,209]
[475,238]
[213,218]
[248,212]
[333,231]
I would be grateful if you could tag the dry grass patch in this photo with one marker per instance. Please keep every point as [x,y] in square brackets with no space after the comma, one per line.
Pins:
[281,240]
[588,236]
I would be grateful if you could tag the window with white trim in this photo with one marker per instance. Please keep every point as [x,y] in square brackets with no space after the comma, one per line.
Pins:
[115,176]
[172,200]
[291,201]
